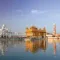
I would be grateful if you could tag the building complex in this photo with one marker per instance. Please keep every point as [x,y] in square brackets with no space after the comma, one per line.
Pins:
[35,32]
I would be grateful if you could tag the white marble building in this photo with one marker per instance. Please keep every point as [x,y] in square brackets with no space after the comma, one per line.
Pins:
[4,31]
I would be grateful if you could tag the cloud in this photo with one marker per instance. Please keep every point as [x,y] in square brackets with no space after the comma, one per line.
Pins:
[34,11]
[37,11]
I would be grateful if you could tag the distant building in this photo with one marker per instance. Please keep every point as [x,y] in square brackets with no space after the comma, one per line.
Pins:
[4,32]
[54,34]
[49,35]
[54,29]
[35,32]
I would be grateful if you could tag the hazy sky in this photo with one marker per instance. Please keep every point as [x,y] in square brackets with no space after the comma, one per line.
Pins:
[19,14]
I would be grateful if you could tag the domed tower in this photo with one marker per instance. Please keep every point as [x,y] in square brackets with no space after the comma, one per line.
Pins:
[54,29]
[3,26]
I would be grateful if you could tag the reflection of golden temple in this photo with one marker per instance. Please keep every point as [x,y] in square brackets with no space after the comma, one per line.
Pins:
[34,32]
[35,45]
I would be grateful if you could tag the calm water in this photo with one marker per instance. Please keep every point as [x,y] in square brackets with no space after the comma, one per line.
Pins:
[29,50]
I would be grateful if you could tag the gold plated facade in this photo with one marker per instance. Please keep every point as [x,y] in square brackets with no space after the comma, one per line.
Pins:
[35,32]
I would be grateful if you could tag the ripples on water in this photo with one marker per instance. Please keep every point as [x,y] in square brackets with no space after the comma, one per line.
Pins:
[19,49]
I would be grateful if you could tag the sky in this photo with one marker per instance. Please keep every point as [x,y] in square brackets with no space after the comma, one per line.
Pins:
[19,14]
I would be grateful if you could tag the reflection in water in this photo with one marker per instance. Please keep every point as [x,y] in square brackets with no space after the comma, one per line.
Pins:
[3,47]
[53,41]
[30,45]
[35,45]
[54,46]
[5,44]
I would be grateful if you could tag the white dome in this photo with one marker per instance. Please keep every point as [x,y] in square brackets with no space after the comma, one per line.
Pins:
[3,26]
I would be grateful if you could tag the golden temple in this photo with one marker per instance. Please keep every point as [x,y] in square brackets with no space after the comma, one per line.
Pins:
[35,32]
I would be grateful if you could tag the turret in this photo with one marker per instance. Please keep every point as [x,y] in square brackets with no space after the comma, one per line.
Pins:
[54,29]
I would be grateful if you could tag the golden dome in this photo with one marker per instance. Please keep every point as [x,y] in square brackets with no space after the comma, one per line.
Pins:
[33,27]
